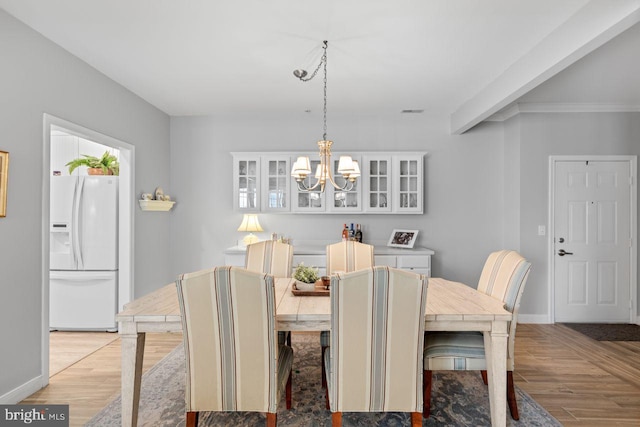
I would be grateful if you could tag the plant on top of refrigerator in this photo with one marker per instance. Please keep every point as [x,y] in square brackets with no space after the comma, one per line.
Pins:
[106,165]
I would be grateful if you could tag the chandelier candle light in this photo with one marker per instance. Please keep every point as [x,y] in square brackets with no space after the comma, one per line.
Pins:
[250,223]
[347,167]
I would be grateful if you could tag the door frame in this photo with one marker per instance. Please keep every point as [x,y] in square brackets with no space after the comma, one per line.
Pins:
[633,217]
[125,219]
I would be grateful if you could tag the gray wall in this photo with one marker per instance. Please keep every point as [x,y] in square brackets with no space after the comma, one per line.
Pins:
[543,135]
[484,190]
[39,77]
[463,216]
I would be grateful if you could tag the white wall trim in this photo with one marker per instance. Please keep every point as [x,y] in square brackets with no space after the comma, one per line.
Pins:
[633,264]
[534,318]
[540,107]
[21,392]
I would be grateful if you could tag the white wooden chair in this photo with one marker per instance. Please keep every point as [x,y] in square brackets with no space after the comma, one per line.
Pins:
[503,277]
[233,359]
[374,363]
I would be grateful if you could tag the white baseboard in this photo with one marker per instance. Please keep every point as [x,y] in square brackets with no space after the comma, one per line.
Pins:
[533,318]
[22,392]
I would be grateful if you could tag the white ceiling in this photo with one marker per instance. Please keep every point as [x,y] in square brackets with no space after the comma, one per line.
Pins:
[205,57]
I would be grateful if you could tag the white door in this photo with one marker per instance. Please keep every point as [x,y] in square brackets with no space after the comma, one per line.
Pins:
[592,241]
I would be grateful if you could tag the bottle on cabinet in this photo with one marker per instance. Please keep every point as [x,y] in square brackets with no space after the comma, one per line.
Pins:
[358,234]
[345,233]
[352,233]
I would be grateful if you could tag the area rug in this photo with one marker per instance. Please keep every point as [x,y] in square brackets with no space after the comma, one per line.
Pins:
[459,399]
[607,331]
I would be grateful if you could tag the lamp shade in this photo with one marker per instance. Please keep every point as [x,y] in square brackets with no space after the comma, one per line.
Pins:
[345,165]
[250,223]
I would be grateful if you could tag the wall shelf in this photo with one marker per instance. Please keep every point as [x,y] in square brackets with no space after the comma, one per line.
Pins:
[156,205]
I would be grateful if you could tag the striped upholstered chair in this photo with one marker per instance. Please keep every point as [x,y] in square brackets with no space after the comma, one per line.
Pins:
[345,256]
[503,276]
[374,363]
[275,258]
[234,362]
[271,257]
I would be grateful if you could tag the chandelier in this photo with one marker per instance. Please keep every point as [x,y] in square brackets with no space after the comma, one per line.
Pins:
[347,167]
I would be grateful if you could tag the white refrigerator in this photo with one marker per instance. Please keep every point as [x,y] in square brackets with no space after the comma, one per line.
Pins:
[83,285]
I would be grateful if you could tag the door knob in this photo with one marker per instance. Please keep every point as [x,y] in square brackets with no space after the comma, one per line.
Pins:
[561,252]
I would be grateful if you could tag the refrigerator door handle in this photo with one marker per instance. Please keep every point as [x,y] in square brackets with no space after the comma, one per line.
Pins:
[73,229]
[77,223]
[81,278]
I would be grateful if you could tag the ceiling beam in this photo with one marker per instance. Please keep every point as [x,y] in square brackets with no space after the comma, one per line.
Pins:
[589,28]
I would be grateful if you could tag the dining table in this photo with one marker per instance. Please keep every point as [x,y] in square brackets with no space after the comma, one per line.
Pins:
[451,306]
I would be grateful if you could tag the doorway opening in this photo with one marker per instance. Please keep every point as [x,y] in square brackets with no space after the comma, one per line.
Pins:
[53,130]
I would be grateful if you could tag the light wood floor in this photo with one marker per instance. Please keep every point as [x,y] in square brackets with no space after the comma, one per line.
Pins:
[67,348]
[579,381]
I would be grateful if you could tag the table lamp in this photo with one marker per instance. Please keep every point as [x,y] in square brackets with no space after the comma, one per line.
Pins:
[250,223]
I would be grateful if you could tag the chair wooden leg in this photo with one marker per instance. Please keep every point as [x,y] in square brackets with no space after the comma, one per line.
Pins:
[484,377]
[289,338]
[272,419]
[511,397]
[288,390]
[326,397]
[426,393]
[192,419]
[324,372]
[416,419]
[336,419]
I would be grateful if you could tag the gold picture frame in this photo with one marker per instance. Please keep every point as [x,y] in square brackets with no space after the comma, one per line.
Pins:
[4,177]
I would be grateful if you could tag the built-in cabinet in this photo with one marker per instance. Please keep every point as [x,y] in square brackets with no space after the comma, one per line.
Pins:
[389,184]
[417,260]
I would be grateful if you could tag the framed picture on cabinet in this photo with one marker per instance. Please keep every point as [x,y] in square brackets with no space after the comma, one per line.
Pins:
[402,238]
[4,176]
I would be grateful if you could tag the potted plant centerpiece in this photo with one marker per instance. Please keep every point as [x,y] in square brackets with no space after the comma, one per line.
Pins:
[106,165]
[306,277]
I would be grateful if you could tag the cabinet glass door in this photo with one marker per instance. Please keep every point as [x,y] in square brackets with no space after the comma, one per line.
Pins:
[343,200]
[276,179]
[409,188]
[247,184]
[308,201]
[378,184]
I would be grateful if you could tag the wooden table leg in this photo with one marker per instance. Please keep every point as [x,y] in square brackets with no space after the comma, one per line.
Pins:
[132,344]
[495,344]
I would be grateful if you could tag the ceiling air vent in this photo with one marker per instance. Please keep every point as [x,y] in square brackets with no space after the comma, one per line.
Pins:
[412,111]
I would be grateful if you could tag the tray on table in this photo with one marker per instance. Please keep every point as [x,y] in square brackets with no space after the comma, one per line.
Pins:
[319,291]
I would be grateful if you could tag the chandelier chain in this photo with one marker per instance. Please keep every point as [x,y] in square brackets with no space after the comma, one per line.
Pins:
[322,59]
[324,111]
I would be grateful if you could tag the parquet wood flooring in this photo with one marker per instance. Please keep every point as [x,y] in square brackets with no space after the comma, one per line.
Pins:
[580,381]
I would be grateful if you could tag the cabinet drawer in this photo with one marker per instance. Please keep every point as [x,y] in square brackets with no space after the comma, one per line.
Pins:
[388,260]
[423,261]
